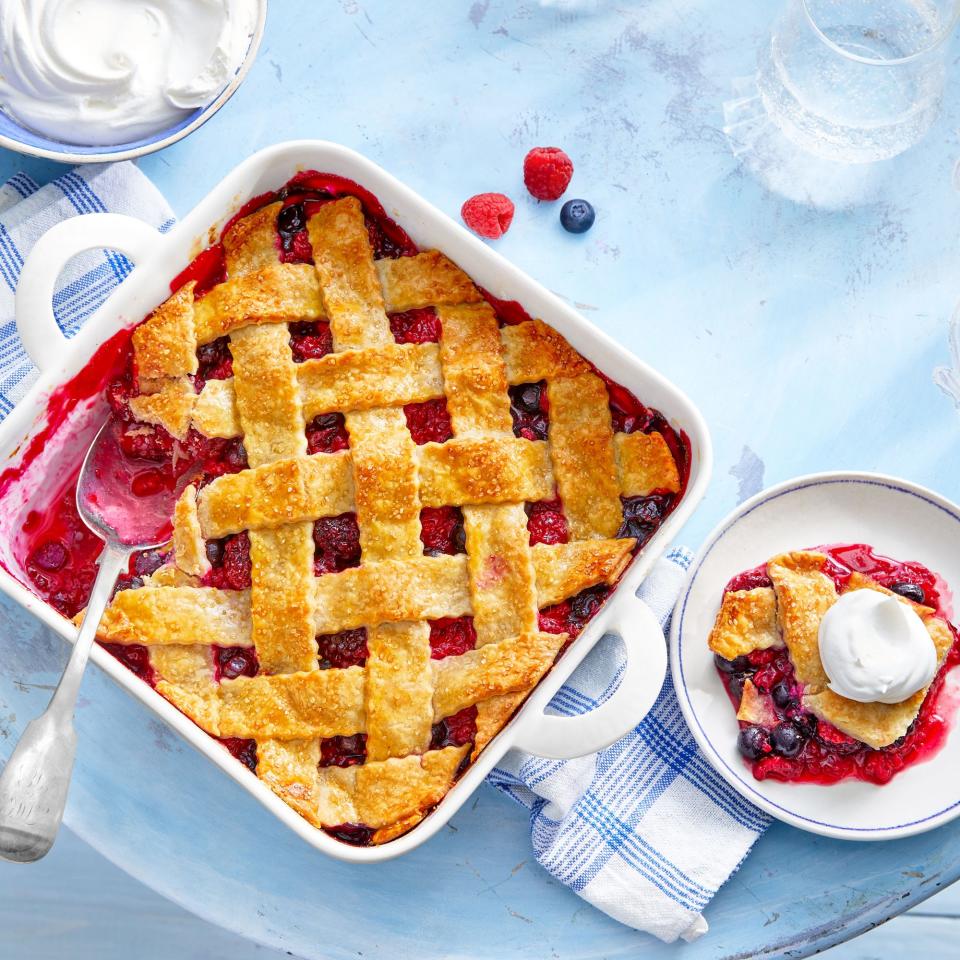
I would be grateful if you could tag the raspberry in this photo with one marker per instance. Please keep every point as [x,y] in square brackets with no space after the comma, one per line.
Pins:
[488,214]
[547,172]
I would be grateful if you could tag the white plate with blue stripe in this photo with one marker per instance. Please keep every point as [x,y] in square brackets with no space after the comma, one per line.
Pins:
[899,519]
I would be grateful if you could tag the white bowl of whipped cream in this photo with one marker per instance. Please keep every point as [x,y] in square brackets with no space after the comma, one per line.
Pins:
[93,80]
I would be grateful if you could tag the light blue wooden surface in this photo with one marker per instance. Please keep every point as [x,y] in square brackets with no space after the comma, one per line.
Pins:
[78,905]
[807,338]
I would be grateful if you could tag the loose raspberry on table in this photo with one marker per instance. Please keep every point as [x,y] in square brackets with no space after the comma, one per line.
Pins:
[547,172]
[488,214]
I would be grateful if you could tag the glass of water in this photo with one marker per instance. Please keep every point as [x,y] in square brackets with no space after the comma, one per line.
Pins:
[856,81]
[841,85]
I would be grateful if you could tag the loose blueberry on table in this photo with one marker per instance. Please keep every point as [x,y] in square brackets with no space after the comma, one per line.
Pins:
[795,723]
[221,551]
[577,216]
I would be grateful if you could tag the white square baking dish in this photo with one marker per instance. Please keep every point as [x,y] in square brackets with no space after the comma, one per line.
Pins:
[46,431]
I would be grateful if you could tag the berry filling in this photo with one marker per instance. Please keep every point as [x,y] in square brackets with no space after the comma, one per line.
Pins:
[429,422]
[546,522]
[61,561]
[232,662]
[327,433]
[337,544]
[343,751]
[528,407]
[292,231]
[310,340]
[571,616]
[135,658]
[206,270]
[442,531]
[416,326]
[451,636]
[340,650]
[215,362]
[643,516]
[244,750]
[509,312]
[456,730]
[356,834]
[799,747]
[230,563]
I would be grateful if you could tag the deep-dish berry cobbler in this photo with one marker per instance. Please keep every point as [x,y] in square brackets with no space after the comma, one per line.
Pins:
[409,497]
[822,691]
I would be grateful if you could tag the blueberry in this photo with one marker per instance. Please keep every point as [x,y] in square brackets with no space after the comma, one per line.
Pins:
[806,723]
[722,664]
[787,740]
[128,583]
[577,216]
[911,591]
[753,742]
[214,551]
[148,561]
[585,604]
[782,695]
[637,529]
[737,665]
[530,398]
[291,219]
[648,509]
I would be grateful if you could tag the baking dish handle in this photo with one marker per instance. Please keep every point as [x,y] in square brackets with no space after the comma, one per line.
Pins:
[42,338]
[563,738]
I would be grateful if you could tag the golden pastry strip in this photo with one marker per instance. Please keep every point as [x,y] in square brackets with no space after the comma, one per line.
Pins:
[388,376]
[747,621]
[534,351]
[428,279]
[330,703]
[581,447]
[426,588]
[398,692]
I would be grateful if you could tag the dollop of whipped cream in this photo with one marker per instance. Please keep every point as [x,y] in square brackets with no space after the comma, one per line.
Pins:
[102,72]
[875,648]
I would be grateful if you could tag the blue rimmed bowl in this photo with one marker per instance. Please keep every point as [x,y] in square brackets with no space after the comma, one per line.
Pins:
[15,136]
[900,519]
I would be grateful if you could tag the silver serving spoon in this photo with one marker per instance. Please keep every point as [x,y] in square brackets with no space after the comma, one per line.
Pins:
[34,783]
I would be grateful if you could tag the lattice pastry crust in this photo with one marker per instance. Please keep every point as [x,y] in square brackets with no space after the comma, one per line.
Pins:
[292,705]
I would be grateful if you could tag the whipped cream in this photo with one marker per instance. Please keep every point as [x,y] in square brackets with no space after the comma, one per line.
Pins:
[102,72]
[875,648]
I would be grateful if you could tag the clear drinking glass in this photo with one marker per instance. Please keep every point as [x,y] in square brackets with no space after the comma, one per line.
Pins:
[841,84]
[856,80]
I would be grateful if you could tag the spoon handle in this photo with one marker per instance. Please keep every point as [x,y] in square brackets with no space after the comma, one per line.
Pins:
[112,562]
[34,783]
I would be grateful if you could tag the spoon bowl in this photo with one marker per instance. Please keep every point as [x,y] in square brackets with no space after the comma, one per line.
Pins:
[130,506]
[124,500]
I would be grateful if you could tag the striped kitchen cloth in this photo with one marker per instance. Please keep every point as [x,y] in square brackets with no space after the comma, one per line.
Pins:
[645,830]
[26,212]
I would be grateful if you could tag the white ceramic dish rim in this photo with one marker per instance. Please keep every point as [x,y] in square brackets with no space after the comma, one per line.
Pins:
[160,257]
[68,154]
[738,779]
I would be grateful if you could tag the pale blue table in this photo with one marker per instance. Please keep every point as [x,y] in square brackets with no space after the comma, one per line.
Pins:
[808,339]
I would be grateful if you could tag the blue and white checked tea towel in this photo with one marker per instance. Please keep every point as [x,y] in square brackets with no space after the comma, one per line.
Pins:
[26,212]
[645,830]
